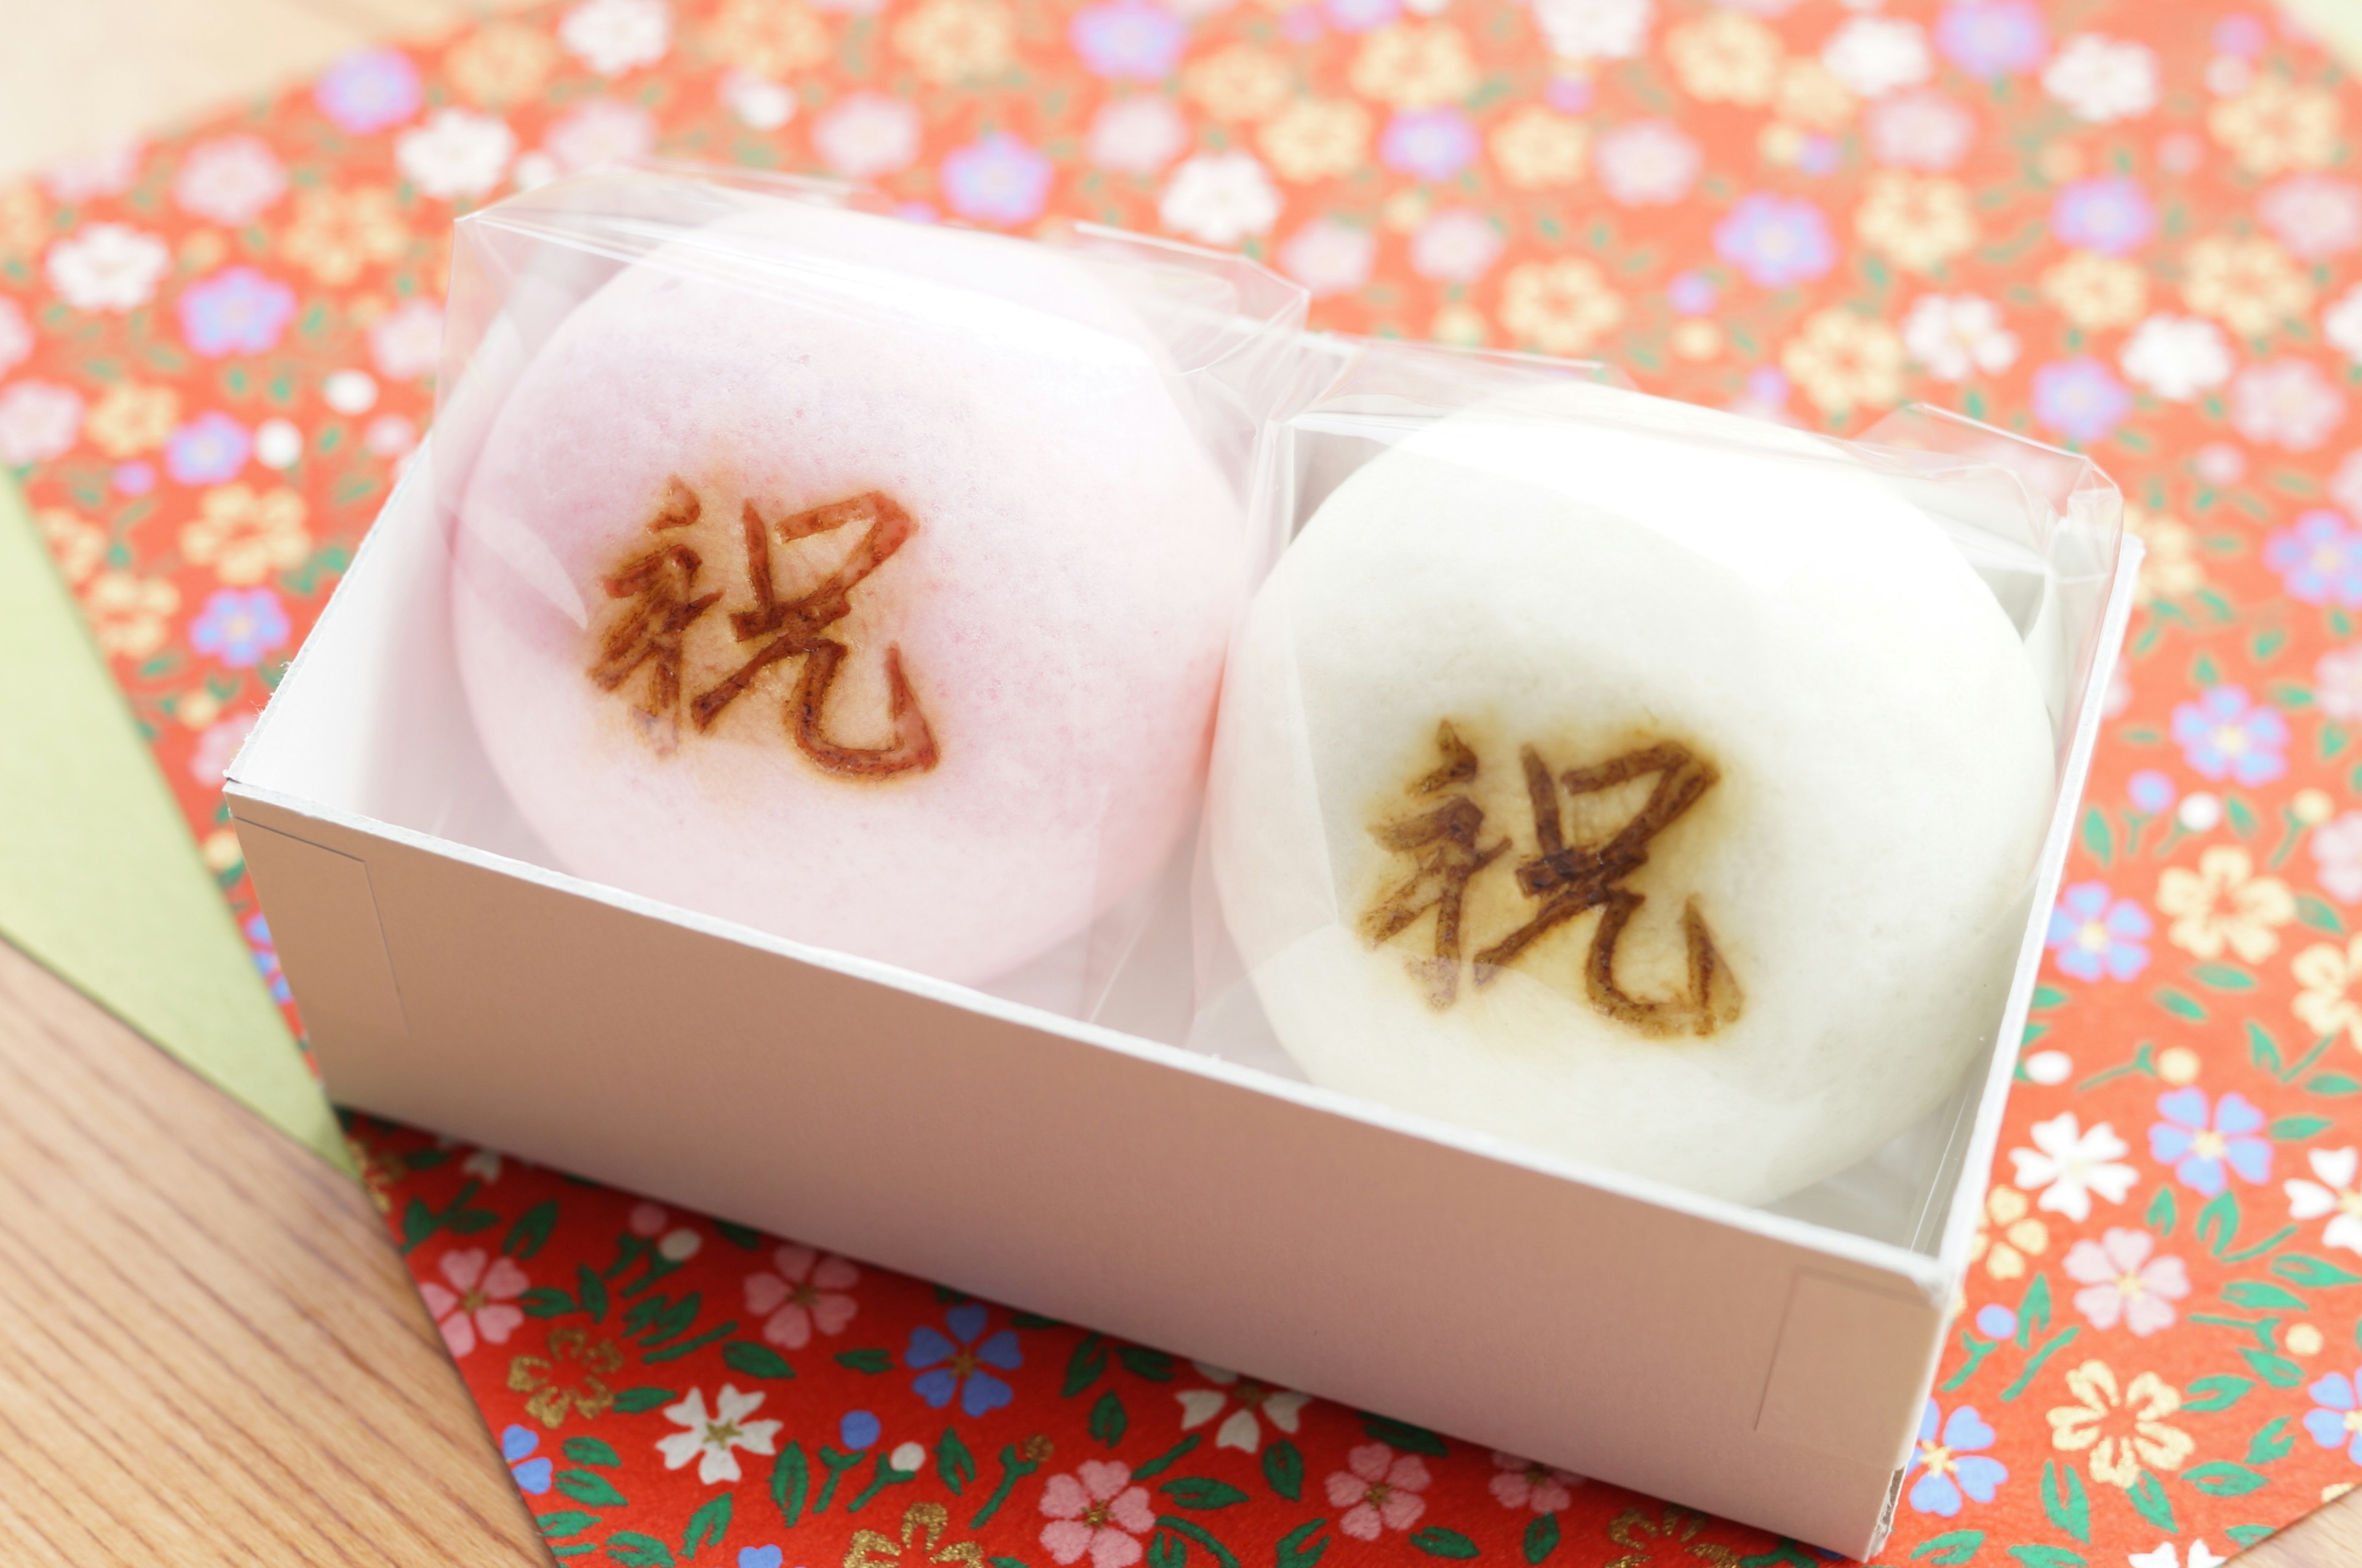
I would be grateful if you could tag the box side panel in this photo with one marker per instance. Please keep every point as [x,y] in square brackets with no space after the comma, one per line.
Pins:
[1599,1331]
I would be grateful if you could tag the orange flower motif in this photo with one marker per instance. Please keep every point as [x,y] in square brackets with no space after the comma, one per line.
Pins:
[1662,1538]
[77,542]
[132,418]
[2171,569]
[572,1379]
[1919,222]
[1536,150]
[2124,1430]
[1559,307]
[1811,96]
[1316,139]
[379,1172]
[1725,57]
[2276,125]
[2224,904]
[944,40]
[244,537]
[2097,292]
[1844,359]
[24,220]
[777,38]
[504,63]
[2021,1235]
[338,233]
[1242,83]
[2331,1000]
[1415,65]
[2249,285]
[129,614]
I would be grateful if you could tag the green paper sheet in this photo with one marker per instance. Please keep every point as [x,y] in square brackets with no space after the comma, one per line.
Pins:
[99,877]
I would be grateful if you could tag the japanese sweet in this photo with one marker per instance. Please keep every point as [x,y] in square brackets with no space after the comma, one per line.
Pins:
[1637,783]
[857,581]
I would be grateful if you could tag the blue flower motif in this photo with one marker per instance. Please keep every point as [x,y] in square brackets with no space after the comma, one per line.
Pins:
[2319,559]
[1776,240]
[532,1474]
[1952,1466]
[1995,1321]
[2151,791]
[2338,1420]
[209,450]
[1692,293]
[2225,733]
[1128,40]
[2111,215]
[241,627]
[949,1366]
[368,91]
[2081,398]
[2093,932]
[235,312]
[858,1430]
[1362,16]
[996,179]
[1433,144]
[1993,38]
[266,957]
[2199,1150]
[135,479]
[760,1557]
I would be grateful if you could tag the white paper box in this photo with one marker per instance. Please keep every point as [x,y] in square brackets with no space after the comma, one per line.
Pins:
[1754,1364]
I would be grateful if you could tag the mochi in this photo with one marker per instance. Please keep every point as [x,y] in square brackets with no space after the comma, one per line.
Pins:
[861,582]
[1642,785]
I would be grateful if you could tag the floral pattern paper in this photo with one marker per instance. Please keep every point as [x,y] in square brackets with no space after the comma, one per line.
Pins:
[2127,228]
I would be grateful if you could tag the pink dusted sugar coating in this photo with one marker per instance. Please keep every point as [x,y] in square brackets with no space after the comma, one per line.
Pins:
[1060,610]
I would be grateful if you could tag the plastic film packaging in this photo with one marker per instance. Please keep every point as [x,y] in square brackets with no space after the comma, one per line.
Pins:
[1644,785]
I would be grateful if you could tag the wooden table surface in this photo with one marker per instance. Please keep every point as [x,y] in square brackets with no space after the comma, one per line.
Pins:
[209,1352]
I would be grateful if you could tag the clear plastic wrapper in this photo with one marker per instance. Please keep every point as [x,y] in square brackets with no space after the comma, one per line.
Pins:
[1647,786]
[860,582]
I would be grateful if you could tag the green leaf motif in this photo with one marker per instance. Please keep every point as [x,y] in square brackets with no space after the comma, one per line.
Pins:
[2262,1049]
[1085,1367]
[2289,1129]
[707,1526]
[1203,1536]
[2247,1535]
[2276,1370]
[2259,1293]
[2049,997]
[1141,1361]
[585,1488]
[1202,1493]
[565,1522]
[2303,1270]
[2064,1501]
[2271,1442]
[1402,1435]
[2181,1005]
[790,1483]
[744,1237]
[633,1550]
[1950,1548]
[2332,1083]
[632,1401]
[2047,1557]
[591,1451]
[1034,1320]
[755,1360]
[594,1294]
[2319,915]
[531,1231]
[2226,1480]
[2034,1311]
[870,1361]
[953,1463]
[2217,1393]
[542,1302]
[2097,838]
[2218,1222]
[1109,1420]
[2163,1212]
[1541,1538]
[1283,1469]
[1166,1460]
[2148,1500]
[1438,1541]
[2223,977]
[1298,1550]
[1166,1550]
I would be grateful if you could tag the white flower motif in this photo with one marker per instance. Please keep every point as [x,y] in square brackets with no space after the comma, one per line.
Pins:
[2334,1195]
[229,180]
[1328,257]
[109,266]
[612,36]
[2177,357]
[2067,1165]
[407,341]
[1593,30]
[759,103]
[1282,1407]
[2166,1556]
[1959,336]
[866,135]
[1137,134]
[714,1439]
[1647,163]
[601,131]
[2102,79]
[1920,130]
[457,154]
[1457,245]
[1220,198]
[2285,402]
[2342,323]
[37,421]
[1874,55]
[106,170]
[2337,678]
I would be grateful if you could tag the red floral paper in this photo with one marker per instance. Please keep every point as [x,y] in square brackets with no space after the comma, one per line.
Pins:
[2130,228]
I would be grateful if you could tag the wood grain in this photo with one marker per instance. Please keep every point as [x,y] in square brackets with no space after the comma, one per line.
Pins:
[209,1352]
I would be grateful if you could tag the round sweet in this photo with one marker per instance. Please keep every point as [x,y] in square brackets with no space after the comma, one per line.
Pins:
[1670,805]
[856,581]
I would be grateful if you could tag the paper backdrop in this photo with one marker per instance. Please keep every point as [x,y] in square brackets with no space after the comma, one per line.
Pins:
[2128,227]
